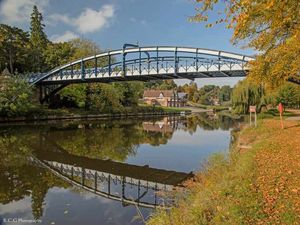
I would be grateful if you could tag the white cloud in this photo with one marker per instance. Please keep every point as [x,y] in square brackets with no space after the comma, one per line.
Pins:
[68,35]
[18,11]
[89,20]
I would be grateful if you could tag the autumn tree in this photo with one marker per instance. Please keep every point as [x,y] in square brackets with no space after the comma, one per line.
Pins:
[271,27]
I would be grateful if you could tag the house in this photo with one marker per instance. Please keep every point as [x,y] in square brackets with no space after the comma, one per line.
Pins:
[164,98]
[164,126]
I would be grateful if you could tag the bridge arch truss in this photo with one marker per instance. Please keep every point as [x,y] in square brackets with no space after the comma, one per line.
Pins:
[144,64]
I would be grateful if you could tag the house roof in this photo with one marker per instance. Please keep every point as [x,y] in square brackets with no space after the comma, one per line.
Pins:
[156,93]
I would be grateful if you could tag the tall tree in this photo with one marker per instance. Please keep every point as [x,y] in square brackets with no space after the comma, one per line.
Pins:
[38,40]
[57,54]
[82,48]
[272,27]
[14,47]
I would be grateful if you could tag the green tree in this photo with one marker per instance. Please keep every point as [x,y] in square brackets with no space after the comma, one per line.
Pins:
[191,90]
[208,93]
[225,93]
[130,92]
[16,98]
[14,47]
[104,98]
[57,54]
[167,85]
[79,93]
[289,95]
[84,48]
[38,40]
[245,94]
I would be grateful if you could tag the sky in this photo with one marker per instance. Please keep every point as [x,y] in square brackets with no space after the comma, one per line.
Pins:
[111,23]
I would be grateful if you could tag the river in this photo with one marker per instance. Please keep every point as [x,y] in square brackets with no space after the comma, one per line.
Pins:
[102,171]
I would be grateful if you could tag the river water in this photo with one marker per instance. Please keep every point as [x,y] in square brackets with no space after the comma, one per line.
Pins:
[102,171]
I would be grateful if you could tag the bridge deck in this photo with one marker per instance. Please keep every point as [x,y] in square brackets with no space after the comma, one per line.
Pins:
[119,169]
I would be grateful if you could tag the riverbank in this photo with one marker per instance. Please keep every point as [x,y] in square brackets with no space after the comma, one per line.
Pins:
[214,108]
[45,114]
[257,183]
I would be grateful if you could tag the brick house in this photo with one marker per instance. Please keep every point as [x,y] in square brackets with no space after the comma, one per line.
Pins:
[164,98]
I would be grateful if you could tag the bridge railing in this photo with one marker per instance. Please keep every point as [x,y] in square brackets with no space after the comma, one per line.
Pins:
[132,61]
[124,189]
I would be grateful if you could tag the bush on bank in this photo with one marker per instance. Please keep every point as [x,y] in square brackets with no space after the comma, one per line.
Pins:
[16,98]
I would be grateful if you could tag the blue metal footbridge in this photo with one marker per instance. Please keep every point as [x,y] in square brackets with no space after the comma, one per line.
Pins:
[135,63]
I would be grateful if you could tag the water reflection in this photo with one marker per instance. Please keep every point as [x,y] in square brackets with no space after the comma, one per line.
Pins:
[94,156]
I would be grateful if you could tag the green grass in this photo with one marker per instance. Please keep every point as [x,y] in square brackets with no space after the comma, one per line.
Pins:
[216,108]
[273,113]
[164,108]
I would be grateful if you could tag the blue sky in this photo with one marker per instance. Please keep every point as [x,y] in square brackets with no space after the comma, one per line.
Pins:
[111,23]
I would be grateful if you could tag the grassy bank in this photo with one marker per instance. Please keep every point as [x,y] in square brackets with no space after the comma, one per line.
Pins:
[43,113]
[216,108]
[257,183]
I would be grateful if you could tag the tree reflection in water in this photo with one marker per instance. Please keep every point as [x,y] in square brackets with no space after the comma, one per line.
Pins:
[113,140]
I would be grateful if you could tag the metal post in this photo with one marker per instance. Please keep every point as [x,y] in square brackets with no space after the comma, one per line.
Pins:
[123,188]
[72,172]
[140,61]
[96,66]
[219,61]
[124,65]
[139,190]
[109,65]
[167,69]
[186,65]
[95,180]
[72,71]
[108,184]
[157,63]
[197,60]
[82,176]
[82,70]
[148,65]
[176,62]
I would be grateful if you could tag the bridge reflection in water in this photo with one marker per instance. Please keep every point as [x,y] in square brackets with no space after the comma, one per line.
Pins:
[129,184]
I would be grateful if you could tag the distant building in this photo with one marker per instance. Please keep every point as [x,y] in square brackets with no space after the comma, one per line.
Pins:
[165,98]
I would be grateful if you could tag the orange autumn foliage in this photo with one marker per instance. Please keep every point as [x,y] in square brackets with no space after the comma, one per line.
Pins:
[271,27]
